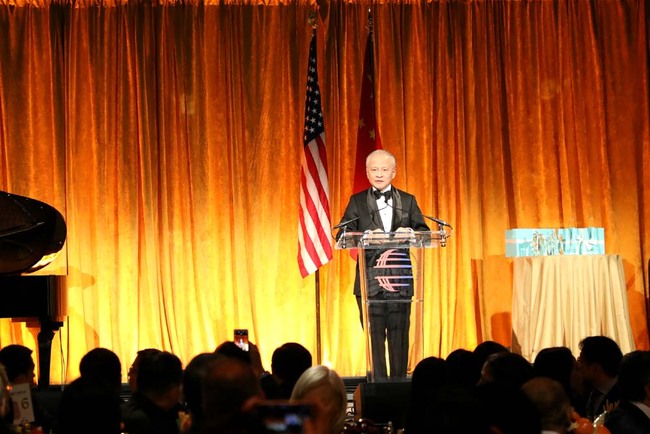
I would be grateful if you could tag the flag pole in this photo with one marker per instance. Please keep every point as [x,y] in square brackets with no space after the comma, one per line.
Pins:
[318,330]
[312,20]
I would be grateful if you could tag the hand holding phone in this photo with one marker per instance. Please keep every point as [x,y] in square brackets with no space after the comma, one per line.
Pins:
[284,417]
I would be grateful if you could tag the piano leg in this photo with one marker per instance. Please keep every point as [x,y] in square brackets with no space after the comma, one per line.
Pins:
[45,337]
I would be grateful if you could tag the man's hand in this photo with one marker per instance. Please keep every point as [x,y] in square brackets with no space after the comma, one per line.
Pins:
[404,233]
[375,235]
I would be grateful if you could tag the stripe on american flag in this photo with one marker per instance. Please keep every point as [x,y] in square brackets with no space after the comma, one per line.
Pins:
[315,247]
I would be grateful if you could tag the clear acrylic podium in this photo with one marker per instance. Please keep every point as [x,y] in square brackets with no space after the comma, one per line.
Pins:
[391,274]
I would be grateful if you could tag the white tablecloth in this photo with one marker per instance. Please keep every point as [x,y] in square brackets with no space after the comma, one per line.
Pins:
[559,300]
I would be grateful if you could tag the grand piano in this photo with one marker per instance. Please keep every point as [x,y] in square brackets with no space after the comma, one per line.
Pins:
[32,234]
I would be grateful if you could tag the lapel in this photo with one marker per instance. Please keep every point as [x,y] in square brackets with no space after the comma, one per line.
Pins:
[397,209]
[373,211]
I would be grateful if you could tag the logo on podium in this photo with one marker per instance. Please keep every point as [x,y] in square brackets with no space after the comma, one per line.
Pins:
[393,271]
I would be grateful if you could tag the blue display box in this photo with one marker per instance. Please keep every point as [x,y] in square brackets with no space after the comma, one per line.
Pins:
[526,242]
[564,241]
[582,241]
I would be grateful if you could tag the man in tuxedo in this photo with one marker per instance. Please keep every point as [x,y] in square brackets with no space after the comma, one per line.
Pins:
[632,416]
[154,407]
[383,208]
[599,361]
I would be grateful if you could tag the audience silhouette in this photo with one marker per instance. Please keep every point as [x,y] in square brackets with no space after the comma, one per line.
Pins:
[193,380]
[6,407]
[486,348]
[135,366]
[429,376]
[19,366]
[598,362]
[632,416]
[230,392]
[559,364]
[323,389]
[154,407]
[288,363]
[552,403]
[507,409]
[464,367]
[102,365]
[93,400]
[226,391]
[89,403]
[509,368]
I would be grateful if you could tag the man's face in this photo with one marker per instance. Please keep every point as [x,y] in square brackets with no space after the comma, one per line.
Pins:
[133,377]
[586,370]
[380,171]
[31,376]
[28,377]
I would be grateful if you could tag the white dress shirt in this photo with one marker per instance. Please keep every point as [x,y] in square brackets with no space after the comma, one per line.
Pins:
[385,210]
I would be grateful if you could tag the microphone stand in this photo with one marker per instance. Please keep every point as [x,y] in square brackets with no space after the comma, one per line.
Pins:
[343,241]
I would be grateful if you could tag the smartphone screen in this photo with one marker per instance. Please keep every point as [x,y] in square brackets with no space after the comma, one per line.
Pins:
[241,338]
[283,417]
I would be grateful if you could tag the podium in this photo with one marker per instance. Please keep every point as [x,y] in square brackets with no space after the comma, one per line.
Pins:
[391,273]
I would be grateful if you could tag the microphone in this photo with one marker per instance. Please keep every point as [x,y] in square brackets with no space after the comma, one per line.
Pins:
[437,220]
[346,222]
[440,222]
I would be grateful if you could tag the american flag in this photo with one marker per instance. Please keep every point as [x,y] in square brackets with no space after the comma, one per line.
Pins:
[315,248]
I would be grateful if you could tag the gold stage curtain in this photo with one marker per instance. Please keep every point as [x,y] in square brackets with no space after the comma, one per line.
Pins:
[169,135]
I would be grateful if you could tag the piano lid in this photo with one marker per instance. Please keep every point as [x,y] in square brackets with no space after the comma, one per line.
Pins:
[31,234]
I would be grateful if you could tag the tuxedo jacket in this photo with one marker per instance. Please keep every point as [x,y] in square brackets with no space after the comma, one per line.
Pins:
[612,398]
[363,214]
[627,419]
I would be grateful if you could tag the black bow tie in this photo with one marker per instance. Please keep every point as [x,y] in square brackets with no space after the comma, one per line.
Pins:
[387,194]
